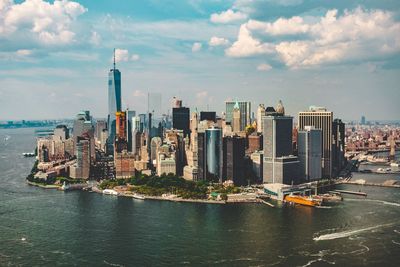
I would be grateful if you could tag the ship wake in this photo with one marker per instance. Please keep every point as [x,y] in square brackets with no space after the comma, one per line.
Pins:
[348,233]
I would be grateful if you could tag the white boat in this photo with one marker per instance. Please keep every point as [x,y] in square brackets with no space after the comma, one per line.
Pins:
[137,196]
[394,164]
[110,192]
[383,170]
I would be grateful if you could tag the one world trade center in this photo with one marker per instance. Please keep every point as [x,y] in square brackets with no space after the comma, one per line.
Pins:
[114,104]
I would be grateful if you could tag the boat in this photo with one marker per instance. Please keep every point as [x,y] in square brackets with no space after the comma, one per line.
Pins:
[383,170]
[28,154]
[137,196]
[303,200]
[110,192]
[394,164]
[330,198]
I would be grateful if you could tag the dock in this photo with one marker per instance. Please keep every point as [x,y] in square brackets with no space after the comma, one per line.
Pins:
[349,192]
[266,203]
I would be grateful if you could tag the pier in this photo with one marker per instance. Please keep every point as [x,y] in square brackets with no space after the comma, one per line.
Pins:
[349,192]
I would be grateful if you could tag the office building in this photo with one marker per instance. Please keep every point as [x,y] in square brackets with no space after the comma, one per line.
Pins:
[100,126]
[245,112]
[236,119]
[233,159]
[208,116]
[114,104]
[309,143]
[338,147]
[321,119]
[61,132]
[81,169]
[214,157]
[280,166]
[260,117]
[181,119]
[124,163]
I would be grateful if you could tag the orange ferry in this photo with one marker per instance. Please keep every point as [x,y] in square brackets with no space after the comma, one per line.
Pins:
[302,200]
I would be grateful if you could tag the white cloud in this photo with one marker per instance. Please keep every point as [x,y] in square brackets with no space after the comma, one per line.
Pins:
[196,47]
[24,52]
[264,67]
[138,93]
[247,45]
[218,41]
[227,16]
[95,38]
[123,55]
[135,57]
[48,23]
[356,35]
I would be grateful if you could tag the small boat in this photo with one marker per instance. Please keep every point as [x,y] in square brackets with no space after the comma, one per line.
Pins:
[137,196]
[28,154]
[383,170]
[110,192]
[394,164]
[303,200]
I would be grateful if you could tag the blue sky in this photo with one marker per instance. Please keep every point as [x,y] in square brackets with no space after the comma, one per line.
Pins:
[345,55]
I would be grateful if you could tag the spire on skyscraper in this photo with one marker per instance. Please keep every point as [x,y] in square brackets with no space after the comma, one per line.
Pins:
[114,58]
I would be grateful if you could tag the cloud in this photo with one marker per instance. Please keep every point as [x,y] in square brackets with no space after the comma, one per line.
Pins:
[247,45]
[122,55]
[135,57]
[355,35]
[264,67]
[138,93]
[95,38]
[24,52]
[44,22]
[228,16]
[196,47]
[218,41]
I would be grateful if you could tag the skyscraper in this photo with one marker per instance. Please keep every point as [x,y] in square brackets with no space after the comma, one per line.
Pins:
[245,112]
[181,119]
[338,149]
[321,119]
[309,143]
[114,103]
[260,117]
[280,166]
[213,153]
[234,152]
[236,119]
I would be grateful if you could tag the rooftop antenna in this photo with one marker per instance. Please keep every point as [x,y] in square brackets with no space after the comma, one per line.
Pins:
[114,58]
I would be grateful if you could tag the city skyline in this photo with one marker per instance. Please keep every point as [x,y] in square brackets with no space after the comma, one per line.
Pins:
[252,53]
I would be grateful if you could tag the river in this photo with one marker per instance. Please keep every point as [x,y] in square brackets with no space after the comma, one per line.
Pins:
[43,227]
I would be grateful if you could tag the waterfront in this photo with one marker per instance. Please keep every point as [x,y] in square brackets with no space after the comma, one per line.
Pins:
[49,227]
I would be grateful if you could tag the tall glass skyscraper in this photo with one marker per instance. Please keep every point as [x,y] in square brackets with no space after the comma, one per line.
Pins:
[214,154]
[114,102]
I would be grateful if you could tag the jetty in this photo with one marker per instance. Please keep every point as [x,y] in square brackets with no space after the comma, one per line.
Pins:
[358,193]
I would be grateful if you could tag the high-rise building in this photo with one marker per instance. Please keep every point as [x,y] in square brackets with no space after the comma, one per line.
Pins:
[280,166]
[245,112]
[321,119]
[214,157]
[100,126]
[114,103]
[233,159]
[181,119]
[130,115]
[363,121]
[124,164]
[81,169]
[236,119]
[338,147]
[176,103]
[62,132]
[120,125]
[309,144]
[201,156]
[260,117]
[208,115]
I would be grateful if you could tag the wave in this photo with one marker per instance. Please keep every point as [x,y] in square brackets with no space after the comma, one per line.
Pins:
[376,201]
[396,231]
[113,264]
[347,233]
[394,242]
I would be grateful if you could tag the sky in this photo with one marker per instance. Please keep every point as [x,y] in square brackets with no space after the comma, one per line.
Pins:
[342,54]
